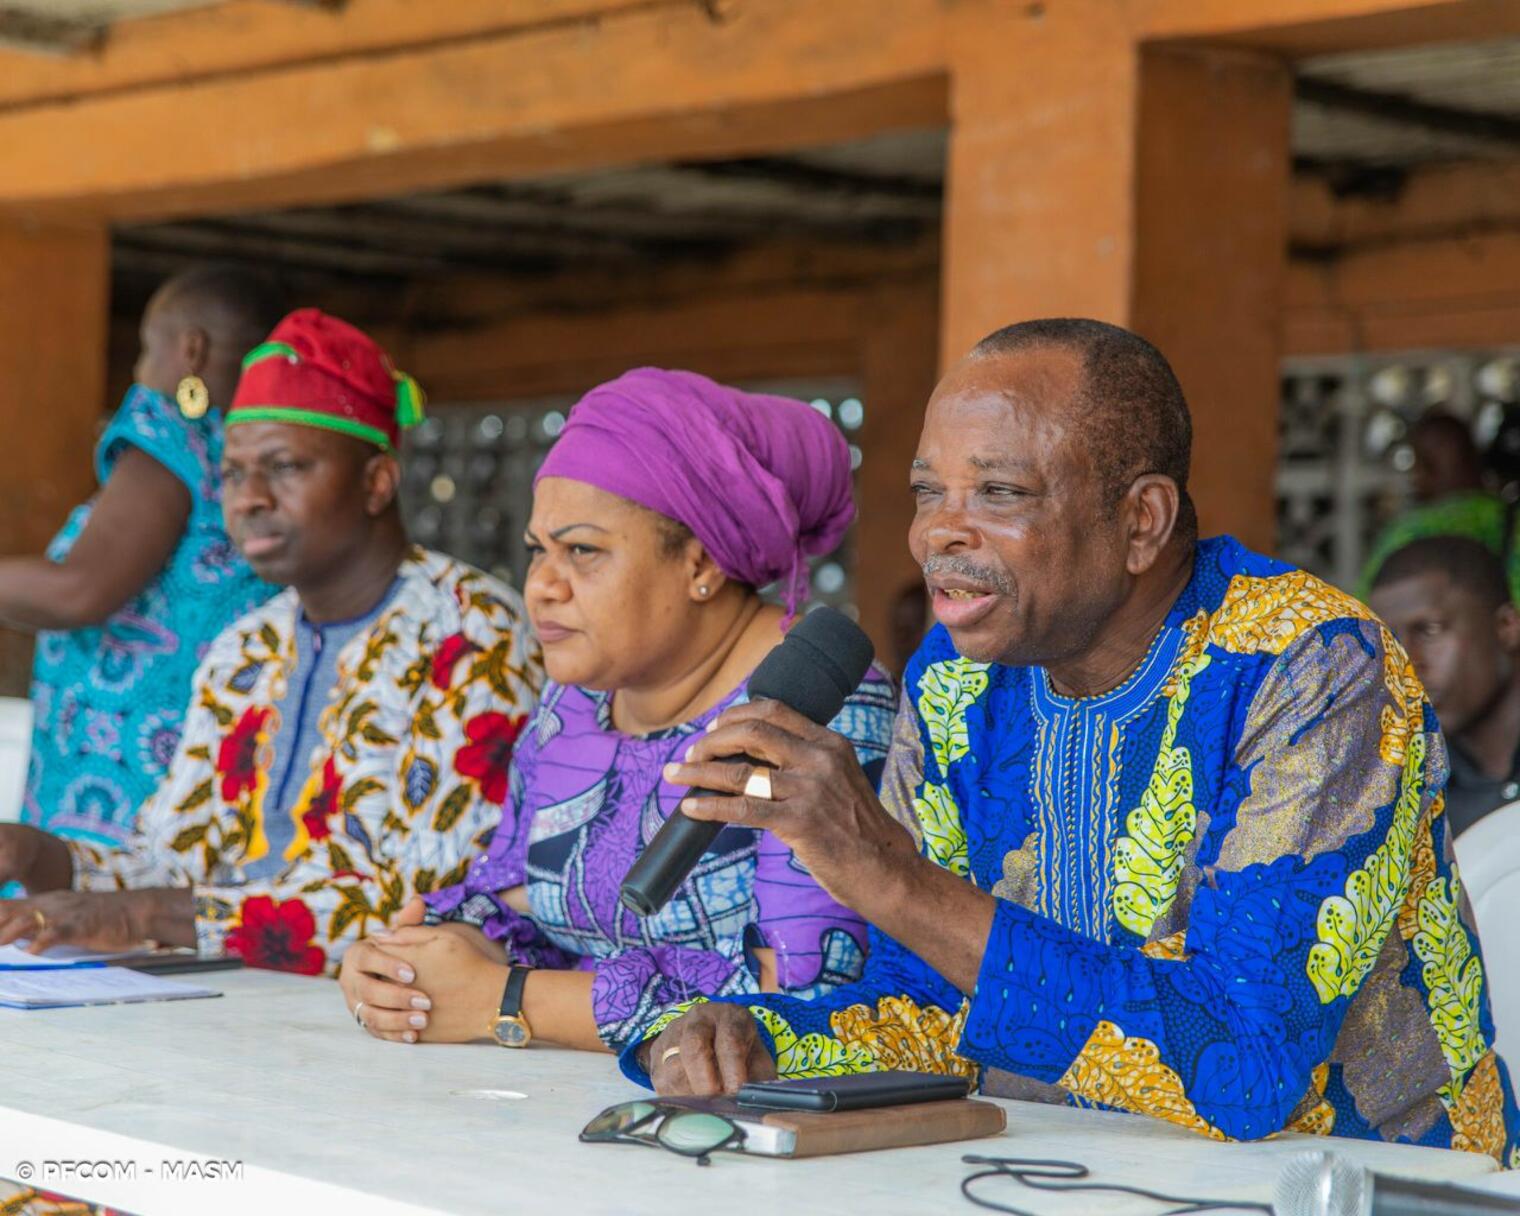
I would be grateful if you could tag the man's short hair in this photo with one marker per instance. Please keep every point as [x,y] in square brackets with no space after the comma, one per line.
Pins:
[240,305]
[1468,563]
[1135,419]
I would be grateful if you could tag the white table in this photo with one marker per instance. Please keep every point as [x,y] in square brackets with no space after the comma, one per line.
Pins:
[275,1075]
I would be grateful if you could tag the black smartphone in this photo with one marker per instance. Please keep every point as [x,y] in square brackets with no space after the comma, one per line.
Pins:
[174,964]
[858,1091]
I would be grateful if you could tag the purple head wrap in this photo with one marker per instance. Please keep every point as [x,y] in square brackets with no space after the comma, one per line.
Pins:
[763,482]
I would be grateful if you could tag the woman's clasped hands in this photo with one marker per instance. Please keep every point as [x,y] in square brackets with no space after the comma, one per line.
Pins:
[416,983]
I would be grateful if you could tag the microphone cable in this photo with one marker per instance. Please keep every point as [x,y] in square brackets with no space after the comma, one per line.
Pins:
[1064,1176]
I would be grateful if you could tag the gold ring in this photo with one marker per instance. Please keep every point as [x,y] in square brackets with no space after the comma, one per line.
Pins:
[669,1054]
[41,920]
[759,785]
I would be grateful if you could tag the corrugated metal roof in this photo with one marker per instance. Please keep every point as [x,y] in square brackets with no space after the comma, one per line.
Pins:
[1326,135]
[102,11]
[1482,76]
[1456,101]
[69,26]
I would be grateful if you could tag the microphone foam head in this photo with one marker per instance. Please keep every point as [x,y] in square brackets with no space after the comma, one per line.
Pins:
[818,664]
[1322,1184]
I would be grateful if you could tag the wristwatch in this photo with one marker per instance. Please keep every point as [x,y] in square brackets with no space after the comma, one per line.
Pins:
[509,1028]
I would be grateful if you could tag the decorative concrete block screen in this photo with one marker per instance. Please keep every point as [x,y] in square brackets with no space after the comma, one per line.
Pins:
[468,479]
[1344,457]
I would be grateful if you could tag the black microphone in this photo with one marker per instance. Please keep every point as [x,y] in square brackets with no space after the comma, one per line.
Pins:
[814,669]
[1322,1184]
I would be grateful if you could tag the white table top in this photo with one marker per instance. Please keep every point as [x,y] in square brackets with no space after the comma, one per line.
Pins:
[275,1074]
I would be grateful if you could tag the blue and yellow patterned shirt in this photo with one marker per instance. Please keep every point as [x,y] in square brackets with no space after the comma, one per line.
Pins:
[1226,890]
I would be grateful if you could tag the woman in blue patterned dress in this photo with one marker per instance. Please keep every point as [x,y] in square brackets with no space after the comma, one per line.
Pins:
[141,577]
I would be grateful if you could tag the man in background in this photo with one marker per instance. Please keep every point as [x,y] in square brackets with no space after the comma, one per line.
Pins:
[910,621]
[1446,599]
[345,743]
[1446,460]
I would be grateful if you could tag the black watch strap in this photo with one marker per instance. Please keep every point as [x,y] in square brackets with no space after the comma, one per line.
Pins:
[511,997]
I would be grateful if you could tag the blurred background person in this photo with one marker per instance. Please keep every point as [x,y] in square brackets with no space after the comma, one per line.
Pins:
[910,621]
[1451,499]
[130,593]
[1446,599]
[1446,459]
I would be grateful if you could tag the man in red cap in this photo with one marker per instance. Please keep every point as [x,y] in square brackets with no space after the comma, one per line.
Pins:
[346,744]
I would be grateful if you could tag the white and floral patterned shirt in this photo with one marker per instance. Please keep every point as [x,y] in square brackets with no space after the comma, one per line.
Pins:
[409,778]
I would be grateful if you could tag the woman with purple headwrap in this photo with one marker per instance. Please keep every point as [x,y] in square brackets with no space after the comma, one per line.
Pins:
[667,502]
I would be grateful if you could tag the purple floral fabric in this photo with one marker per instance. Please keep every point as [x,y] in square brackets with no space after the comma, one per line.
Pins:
[583,802]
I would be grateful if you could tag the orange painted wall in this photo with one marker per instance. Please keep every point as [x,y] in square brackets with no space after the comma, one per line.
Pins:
[1434,262]
[54,296]
[1211,209]
[1142,188]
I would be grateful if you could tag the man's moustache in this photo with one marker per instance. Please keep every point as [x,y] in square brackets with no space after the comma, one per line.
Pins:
[951,564]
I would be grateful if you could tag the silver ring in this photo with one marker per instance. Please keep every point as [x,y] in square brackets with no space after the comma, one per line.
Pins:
[669,1054]
[759,785]
[358,1017]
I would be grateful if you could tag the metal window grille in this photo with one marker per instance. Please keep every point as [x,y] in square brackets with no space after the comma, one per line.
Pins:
[1344,455]
[467,487]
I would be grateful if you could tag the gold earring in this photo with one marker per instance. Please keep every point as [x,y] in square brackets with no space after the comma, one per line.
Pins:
[193,396]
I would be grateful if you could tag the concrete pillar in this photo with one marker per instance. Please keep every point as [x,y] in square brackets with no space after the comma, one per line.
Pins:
[900,329]
[1210,263]
[55,297]
[1146,187]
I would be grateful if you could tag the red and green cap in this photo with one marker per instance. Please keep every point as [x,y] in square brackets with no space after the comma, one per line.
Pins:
[316,370]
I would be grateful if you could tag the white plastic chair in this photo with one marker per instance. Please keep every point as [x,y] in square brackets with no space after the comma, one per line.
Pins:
[1488,855]
[15,753]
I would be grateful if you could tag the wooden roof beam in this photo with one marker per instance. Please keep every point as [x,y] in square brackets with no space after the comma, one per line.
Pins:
[376,230]
[540,210]
[241,37]
[238,37]
[205,240]
[662,81]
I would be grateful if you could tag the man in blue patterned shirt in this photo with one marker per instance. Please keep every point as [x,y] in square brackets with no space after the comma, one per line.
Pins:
[1162,827]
